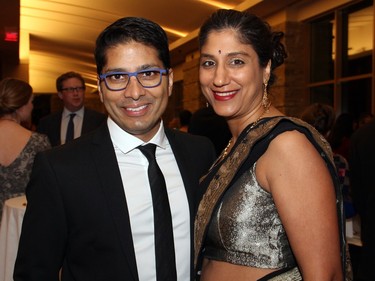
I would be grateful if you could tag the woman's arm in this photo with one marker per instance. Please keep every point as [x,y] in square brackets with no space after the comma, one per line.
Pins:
[302,188]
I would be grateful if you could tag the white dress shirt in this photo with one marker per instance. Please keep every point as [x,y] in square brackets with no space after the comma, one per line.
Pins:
[77,120]
[133,168]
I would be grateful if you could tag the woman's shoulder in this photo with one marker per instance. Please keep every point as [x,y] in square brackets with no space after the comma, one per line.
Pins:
[39,141]
[289,137]
[291,130]
[286,123]
[289,144]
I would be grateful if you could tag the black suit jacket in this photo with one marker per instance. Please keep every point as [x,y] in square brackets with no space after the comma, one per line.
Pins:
[50,125]
[77,214]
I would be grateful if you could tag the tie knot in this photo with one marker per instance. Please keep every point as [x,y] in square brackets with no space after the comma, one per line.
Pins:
[71,115]
[149,151]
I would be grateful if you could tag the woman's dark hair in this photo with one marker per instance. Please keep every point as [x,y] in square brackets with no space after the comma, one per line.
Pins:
[251,30]
[14,93]
[320,116]
[130,29]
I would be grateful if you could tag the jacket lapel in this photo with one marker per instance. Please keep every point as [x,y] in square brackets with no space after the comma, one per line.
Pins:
[111,182]
[56,129]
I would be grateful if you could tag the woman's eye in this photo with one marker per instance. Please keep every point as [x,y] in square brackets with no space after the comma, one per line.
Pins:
[236,62]
[207,63]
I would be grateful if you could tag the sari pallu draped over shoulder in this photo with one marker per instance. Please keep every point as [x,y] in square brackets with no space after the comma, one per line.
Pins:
[251,144]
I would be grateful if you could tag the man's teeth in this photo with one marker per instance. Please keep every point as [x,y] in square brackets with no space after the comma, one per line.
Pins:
[136,108]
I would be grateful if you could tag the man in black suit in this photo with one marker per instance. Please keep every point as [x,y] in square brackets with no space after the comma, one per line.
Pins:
[71,90]
[206,122]
[90,209]
[362,176]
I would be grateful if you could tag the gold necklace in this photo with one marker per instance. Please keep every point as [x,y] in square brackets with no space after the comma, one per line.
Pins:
[225,151]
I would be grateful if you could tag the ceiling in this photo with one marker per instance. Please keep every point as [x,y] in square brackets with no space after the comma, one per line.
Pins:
[57,36]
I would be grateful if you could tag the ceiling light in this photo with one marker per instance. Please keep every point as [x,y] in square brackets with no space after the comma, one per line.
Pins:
[217,4]
[175,32]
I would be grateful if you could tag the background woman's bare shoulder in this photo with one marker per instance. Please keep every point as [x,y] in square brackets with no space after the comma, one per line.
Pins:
[12,141]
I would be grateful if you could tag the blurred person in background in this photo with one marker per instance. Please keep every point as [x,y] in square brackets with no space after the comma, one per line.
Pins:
[364,118]
[322,118]
[205,122]
[71,90]
[18,145]
[184,116]
[340,134]
[362,165]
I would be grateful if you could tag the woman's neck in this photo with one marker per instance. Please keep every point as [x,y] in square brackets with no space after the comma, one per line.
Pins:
[10,118]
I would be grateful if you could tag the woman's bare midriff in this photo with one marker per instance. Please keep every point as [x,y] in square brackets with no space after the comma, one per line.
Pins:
[222,271]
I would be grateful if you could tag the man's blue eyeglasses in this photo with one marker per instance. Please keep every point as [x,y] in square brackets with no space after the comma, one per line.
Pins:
[148,78]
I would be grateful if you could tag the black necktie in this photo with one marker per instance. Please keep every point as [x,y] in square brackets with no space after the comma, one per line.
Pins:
[164,245]
[70,130]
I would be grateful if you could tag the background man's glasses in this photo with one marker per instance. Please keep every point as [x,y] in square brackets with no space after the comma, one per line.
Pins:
[72,90]
[149,78]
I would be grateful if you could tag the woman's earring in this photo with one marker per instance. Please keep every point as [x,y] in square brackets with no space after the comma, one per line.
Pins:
[207,104]
[265,100]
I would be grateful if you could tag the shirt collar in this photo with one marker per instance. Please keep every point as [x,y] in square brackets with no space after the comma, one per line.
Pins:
[79,112]
[127,142]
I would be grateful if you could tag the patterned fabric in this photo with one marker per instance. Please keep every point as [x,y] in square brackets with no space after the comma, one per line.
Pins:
[14,177]
[282,275]
[221,175]
[246,228]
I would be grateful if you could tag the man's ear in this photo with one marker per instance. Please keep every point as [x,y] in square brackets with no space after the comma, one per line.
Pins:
[59,94]
[100,91]
[170,81]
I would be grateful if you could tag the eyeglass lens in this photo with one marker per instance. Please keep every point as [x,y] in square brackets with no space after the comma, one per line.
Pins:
[71,89]
[120,80]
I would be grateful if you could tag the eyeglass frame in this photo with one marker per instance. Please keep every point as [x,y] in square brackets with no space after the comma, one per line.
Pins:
[162,71]
[73,89]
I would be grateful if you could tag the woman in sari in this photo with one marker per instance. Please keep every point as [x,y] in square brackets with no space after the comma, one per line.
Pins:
[272,210]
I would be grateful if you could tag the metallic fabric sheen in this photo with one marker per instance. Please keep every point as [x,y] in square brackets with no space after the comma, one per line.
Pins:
[246,228]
